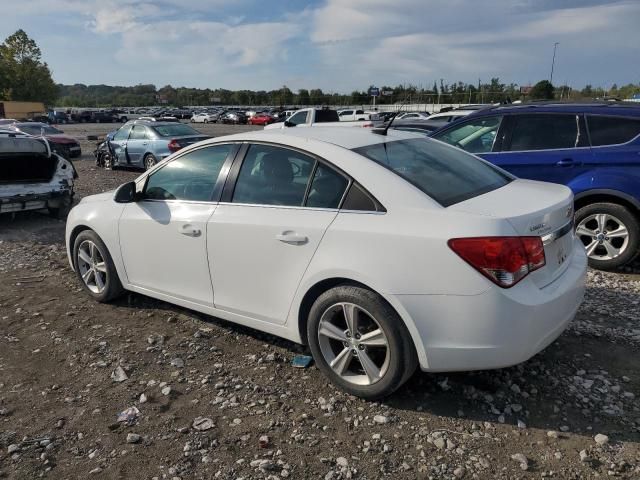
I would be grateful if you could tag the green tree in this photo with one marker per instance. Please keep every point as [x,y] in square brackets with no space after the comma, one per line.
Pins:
[304,97]
[23,74]
[542,90]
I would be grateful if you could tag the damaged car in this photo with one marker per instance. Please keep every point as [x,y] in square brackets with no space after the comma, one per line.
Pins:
[33,177]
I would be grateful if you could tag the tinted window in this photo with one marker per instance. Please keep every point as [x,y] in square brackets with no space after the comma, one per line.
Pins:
[298,118]
[123,133]
[445,174]
[359,112]
[138,132]
[475,136]
[358,199]
[612,130]
[544,132]
[37,129]
[191,176]
[273,176]
[327,188]
[327,116]
[174,130]
[346,112]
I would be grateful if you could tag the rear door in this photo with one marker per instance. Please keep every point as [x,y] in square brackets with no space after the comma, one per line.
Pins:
[551,147]
[264,233]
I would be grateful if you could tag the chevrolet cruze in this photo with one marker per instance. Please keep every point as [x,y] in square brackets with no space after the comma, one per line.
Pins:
[382,251]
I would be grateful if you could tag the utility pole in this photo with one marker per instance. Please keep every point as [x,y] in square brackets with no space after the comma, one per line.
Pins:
[553,62]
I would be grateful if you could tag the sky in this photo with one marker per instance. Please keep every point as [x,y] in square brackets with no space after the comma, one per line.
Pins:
[336,45]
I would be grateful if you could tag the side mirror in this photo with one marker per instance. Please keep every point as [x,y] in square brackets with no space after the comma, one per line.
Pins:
[287,123]
[126,193]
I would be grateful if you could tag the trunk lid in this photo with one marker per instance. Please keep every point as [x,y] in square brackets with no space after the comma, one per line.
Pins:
[534,209]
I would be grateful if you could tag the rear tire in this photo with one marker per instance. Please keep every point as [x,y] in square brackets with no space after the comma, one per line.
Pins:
[101,263]
[594,224]
[379,365]
[149,161]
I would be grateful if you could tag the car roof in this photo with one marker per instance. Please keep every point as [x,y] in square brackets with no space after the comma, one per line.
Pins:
[345,137]
[602,108]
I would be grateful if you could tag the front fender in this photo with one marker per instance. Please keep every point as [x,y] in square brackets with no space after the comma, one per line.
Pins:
[101,217]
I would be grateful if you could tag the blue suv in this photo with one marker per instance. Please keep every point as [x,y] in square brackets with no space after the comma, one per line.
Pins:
[592,148]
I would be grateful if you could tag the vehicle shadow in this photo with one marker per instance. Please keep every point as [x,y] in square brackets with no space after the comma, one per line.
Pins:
[566,386]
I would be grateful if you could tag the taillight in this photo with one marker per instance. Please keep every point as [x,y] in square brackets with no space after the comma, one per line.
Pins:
[503,260]
[174,146]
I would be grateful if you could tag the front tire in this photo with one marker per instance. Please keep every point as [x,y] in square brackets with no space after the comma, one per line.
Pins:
[610,234]
[358,340]
[95,268]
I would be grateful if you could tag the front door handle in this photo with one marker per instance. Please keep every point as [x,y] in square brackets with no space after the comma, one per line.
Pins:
[190,231]
[565,162]
[291,237]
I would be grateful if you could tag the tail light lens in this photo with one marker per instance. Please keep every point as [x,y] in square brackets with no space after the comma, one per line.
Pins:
[503,260]
[174,146]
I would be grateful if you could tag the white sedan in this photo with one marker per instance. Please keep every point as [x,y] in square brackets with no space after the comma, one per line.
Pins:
[381,251]
[203,118]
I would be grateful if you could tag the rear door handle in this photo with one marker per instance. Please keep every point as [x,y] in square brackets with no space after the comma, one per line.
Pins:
[291,237]
[565,162]
[189,230]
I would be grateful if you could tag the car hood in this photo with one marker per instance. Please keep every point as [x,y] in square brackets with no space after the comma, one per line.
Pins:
[100,197]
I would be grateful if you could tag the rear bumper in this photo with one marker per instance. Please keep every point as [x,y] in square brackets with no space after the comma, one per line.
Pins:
[498,328]
[21,203]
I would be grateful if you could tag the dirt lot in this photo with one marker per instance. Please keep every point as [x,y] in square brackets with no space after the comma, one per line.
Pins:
[570,412]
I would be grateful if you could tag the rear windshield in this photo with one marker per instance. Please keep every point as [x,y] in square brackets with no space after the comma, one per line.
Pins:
[446,174]
[39,129]
[174,130]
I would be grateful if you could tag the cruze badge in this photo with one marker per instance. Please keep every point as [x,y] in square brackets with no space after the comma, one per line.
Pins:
[539,226]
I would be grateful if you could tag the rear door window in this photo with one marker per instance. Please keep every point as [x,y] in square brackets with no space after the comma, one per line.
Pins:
[273,176]
[545,132]
[139,132]
[612,130]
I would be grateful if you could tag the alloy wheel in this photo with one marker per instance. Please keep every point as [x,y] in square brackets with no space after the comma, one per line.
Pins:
[353,344]
[149,162]
[604,236]
[92,267]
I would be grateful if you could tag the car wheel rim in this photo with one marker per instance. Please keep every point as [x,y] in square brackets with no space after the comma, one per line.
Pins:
[92,267]
[604,236]
[353,344]
[149,163]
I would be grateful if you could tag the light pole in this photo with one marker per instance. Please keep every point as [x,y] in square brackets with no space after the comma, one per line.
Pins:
[553,62]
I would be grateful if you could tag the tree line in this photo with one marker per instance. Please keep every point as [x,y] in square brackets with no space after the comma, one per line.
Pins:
[25,76]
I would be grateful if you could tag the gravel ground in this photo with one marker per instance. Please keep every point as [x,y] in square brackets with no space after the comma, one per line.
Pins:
[216,400]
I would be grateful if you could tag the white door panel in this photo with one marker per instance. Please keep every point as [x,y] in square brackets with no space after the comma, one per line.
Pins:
[164,248]
[259,254]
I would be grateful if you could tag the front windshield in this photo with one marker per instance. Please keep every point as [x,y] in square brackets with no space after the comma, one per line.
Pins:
[446,174]
[39,129]
[174,130]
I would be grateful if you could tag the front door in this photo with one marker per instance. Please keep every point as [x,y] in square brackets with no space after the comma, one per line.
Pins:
[163,235]
[119,145]
[137,144]
[262,240]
